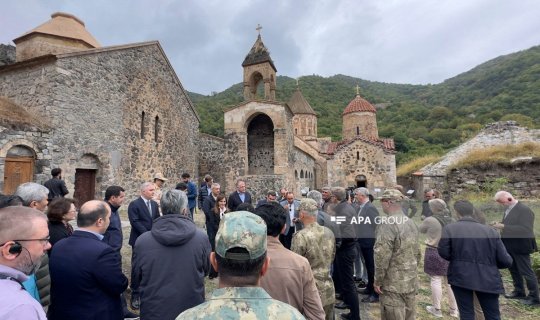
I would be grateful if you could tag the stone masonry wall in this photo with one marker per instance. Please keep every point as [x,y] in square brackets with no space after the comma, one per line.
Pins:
[360,158]
[211,150]
[304,172]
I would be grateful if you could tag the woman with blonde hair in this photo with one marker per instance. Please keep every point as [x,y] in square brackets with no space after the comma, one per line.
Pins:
[434,265]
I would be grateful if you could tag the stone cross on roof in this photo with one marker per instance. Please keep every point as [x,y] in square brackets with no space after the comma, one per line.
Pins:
[259,27]
[357,90]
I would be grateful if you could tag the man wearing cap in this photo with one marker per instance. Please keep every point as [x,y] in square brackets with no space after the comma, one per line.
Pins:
[397,254]
[317,244]
[240,258]
[159,180]
[289,277]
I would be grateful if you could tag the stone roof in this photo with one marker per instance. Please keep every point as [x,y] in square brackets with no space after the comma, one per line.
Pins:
[63,25]
[387,144]
[359,104]
[299,105]
[258,54]
[16,117]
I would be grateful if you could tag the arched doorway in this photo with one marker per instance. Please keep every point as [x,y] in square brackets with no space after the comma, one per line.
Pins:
[260,143]
[361,181]
[19,168]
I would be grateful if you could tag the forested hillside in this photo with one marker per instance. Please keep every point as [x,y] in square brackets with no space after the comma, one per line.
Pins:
[423,119]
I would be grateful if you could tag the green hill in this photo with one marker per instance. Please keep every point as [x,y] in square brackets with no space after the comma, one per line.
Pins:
[423,119]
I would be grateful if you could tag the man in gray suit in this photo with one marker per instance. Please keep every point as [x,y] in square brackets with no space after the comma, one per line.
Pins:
[293,224]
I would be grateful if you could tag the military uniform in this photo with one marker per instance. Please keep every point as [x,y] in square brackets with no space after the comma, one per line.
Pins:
[241,303]
[317,244]
[397,254]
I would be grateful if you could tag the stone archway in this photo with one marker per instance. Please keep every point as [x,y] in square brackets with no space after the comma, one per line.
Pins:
[19,167]
[260,145]
[361,181]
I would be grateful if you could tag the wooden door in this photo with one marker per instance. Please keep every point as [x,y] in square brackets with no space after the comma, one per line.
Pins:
[85,185]
[16,171]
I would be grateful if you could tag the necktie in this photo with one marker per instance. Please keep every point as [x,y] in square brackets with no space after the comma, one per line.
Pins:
[149,207]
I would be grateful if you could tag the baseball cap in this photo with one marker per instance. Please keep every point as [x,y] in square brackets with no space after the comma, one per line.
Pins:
[241,229]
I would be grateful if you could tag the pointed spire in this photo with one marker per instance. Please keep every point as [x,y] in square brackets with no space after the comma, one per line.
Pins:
[299,104]
[258,53]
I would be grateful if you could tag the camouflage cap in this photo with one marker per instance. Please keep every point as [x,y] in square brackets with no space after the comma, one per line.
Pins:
[241,229]
[308,204]
[392,194]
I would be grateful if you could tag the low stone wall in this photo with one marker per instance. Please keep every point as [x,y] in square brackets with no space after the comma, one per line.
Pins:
[521,178]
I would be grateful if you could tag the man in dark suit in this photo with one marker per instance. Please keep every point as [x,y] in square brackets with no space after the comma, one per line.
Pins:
[270,197]
[239,196]
[141,213]
[365,231]
[87,272]
[293,224]
[518,237]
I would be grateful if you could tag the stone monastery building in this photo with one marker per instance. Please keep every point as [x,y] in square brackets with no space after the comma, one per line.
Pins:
[273,144]
[119,114]
[105,115]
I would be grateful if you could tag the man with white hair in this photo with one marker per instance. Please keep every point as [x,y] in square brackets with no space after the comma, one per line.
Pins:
[141,213]
[38,284]
[173,243]
[518,237]
[317,244]
[24,239]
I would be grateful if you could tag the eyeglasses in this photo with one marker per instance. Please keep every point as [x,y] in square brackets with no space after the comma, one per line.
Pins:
[43,241]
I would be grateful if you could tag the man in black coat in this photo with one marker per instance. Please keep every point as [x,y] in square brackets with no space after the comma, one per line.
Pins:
[205,189]
[87,272]
[57,186]
[365,231]
[239,196]
[141,213]
[518,237]
[475,252]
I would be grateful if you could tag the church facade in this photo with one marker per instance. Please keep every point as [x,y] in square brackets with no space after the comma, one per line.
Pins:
[273,144]
[105,115]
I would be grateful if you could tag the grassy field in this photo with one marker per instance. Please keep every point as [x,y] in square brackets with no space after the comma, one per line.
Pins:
[511,309]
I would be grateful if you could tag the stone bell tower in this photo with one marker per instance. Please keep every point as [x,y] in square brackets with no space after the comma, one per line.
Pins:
[258,66]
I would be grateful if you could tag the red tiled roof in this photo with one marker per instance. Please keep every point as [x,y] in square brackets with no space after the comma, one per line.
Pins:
[359,104]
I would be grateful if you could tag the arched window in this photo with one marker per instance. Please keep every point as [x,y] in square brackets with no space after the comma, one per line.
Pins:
[260,143]
[142,125]
[357,131]
[295,130]
[357,155]
[302,174]
[156,129]
[296,174]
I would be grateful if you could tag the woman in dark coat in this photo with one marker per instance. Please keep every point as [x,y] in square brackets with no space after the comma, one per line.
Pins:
[218,211]
[60,212]
[476,253]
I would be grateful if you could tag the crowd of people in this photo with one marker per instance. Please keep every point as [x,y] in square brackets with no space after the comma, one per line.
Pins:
[285,258]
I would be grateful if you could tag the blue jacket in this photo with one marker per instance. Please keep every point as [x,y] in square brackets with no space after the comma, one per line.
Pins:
[476,253]
[88,279]
[113,236]
[191,194]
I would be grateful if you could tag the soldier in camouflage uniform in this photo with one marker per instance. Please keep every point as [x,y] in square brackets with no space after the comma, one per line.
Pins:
[317,244]
[240,258]
[397,254]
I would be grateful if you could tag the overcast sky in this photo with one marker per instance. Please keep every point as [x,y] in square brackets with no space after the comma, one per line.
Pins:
[401,41]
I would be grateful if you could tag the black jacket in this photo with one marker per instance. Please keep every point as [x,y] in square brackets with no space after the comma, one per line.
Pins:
[203,193]
[140,219]
[57,188]
[517,234]
[475,252]
[170,263]
[234,200]
[114,236]
[365,229]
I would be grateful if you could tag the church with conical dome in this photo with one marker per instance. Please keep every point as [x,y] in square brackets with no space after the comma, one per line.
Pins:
[273,144]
